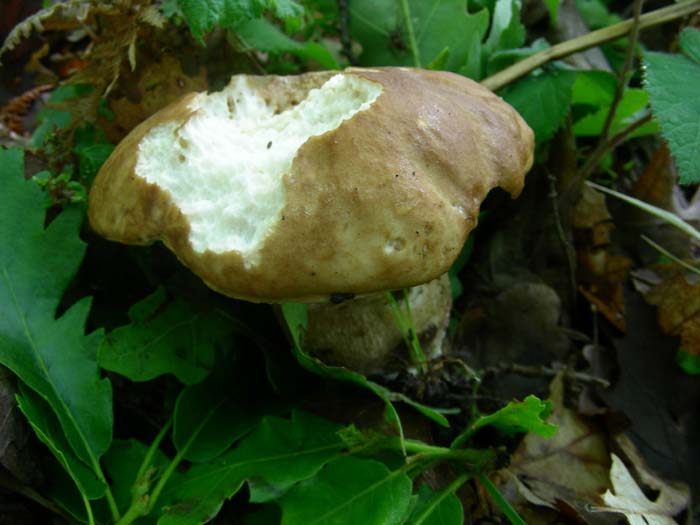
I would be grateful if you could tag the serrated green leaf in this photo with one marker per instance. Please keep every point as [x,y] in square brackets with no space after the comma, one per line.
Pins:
[381,29]
[278,454]
[165,338]
[122,463]
[690,43]
[91,158]
[264,36]
[210,416]
[520,416]
[202,15]
[542,100]
[48,429]
[53,356]
[436,508]
[672,82]
[349,490]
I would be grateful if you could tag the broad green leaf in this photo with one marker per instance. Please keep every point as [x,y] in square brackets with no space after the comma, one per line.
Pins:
[672,82]
[381,29]
[165,338]
[543,100]
[349,490]
[690,43]
[262,35]
[52,356]
[122,463]
[203,15]
[278,454]
[210,416]
[48,429]
[520,416]
[502,59]
[436,508]
[507,31]
[596,13]
[295,315]
[632,105]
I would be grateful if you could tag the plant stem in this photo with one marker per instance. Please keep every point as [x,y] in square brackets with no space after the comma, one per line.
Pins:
[622,80]
[509,511]
[608,145]
[592,39]
[439,497]
[668,254]
[148,459]
[662,214]
[411,34]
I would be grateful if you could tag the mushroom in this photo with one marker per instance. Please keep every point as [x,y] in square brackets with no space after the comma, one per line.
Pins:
[317,187]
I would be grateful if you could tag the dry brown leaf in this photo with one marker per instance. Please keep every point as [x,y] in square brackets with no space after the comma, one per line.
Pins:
[601,273]
[628,498]
[569,470]
[678,302]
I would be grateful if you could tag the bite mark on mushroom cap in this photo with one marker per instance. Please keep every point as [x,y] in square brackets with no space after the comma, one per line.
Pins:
[383,201]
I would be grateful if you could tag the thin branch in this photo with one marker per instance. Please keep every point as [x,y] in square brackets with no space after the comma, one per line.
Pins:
[592,39]
[415,53]
[623,79]
[546,372]
[345,41]
[604,147]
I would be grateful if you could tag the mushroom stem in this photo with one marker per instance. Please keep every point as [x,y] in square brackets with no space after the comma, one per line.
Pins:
[382,333]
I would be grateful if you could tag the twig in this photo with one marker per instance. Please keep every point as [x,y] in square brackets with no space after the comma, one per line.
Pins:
[668,254]
[415,53]
[568,249]
[605,146]
[622,80]
[592,39]
[544,371]
[345,41]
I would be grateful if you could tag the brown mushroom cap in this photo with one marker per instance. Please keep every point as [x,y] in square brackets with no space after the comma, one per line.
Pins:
[383,201]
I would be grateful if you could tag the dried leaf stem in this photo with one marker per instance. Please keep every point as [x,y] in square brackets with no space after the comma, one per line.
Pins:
[592,39]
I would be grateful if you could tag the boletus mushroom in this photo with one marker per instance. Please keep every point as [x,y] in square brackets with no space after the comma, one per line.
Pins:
[317,187]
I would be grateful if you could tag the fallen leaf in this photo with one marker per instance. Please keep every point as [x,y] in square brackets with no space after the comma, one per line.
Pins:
[678,314]
[601,273]
[628,498]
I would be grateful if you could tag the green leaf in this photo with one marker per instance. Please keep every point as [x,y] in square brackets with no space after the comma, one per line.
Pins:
[278,454]
[122,463]
[50,119]
[165,338]
[381,29]
[690,43]
[436,508]
[210,416]
[690,363]
[631,106]
[543,100]
[507,31]
[672,82]
[53,356]
[48,429]
[349,490]
[262,35]
[202,15]
[553,9]
[520,416]
[502,59]
[295,315]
